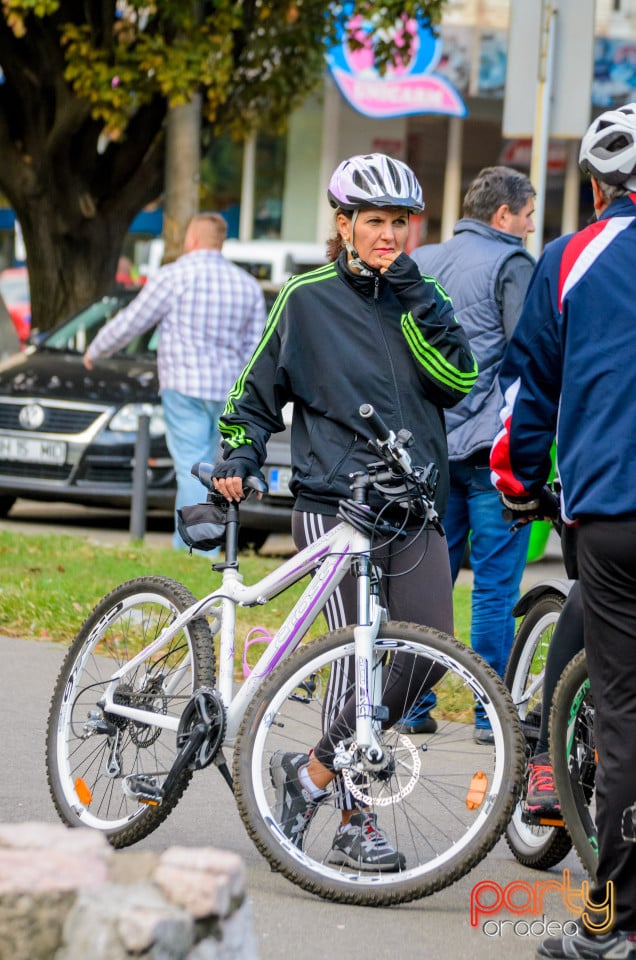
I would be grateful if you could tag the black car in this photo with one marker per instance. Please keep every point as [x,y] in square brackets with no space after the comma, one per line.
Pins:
[68,434]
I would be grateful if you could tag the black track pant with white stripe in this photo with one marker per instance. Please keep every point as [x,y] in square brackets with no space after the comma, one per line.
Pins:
[417,587]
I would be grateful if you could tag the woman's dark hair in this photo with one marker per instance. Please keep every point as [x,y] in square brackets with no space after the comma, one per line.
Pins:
[335,243]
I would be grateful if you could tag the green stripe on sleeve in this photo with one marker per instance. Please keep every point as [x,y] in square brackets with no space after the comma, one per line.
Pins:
[434,362]
[234,434]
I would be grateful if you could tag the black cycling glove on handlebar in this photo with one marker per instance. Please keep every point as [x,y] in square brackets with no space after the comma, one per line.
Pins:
[237,466]
[544,506]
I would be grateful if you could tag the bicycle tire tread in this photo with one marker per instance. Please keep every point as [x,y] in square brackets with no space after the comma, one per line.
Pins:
[557,842]
[569,685]
[556,847]
[205,673]
[547,603]
[373,894]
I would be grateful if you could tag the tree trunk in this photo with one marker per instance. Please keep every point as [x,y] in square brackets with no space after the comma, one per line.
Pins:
[183,157]
[68,271]
[74,190]
[75,206]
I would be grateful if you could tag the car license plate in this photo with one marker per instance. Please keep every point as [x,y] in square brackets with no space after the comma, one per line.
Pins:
[278,480]
[32,451]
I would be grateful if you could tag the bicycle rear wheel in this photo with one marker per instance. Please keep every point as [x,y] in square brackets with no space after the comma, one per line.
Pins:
[442,800]
[533,844]
[91,755]
[573,754]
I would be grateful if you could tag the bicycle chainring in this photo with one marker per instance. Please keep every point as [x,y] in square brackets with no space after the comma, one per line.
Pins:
[204,706]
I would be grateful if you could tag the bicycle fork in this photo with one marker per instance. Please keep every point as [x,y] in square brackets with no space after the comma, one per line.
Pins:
[368,670]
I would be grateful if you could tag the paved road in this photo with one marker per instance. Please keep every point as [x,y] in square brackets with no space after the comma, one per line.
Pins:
[284,917]
[289,923]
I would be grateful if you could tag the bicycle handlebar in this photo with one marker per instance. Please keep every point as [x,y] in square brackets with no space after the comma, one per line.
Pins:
[377,424]
[421,481]
[390,446]
[203,472]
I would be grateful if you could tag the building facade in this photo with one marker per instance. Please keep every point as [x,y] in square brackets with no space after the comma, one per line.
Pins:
[445,151]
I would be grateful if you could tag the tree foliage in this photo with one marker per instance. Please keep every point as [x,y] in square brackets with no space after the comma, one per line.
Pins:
[83,102]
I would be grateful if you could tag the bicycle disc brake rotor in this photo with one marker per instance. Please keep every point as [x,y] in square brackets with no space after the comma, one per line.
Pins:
[394,781]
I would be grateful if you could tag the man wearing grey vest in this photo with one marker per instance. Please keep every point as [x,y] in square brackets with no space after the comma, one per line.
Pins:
[486,270]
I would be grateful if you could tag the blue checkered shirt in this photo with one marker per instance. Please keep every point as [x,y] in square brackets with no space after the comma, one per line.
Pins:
[210,315]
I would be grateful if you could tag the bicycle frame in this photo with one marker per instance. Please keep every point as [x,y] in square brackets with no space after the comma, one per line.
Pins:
[331,557]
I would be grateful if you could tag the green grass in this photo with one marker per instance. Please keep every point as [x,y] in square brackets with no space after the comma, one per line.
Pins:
[49,584]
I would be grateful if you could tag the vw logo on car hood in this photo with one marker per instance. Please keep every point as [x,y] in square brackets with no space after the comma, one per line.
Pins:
[32,416]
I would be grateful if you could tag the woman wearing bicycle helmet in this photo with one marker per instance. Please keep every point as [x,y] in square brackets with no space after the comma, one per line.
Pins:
[367,327]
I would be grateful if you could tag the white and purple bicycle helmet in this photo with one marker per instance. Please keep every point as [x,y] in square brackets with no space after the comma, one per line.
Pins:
[608,147]
[374,180]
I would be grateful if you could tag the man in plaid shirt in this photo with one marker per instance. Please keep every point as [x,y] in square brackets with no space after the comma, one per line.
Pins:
[210,315]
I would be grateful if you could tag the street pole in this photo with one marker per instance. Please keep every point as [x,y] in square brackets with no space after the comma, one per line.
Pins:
[140,479]
[570,215]
[246,215]
[541,138]
[451,203]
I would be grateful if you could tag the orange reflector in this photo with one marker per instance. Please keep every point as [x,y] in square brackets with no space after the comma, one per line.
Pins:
[545,822]
[477,790]
[83,791]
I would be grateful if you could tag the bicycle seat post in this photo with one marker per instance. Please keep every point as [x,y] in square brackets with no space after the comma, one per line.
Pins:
[231,537]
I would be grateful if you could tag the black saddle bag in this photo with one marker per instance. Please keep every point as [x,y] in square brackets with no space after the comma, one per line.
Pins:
[202,525]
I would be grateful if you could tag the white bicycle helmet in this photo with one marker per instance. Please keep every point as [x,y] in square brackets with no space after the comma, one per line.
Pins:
[374,180]
[608,148]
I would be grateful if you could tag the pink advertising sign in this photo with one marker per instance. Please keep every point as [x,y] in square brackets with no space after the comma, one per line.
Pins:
[412,87]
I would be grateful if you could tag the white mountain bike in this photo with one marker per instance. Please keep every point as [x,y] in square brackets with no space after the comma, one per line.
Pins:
[138,706]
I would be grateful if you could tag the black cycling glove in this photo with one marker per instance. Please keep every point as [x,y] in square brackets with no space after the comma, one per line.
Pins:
[522,510]
[237,466]
[405,279]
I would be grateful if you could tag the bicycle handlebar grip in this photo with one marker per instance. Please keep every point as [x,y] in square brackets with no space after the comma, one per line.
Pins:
[256,484]
[376,422]
[203,472]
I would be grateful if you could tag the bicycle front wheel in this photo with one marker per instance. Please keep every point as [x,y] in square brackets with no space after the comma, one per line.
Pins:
[91,755]
[441,800]
[533,844]
[573,754]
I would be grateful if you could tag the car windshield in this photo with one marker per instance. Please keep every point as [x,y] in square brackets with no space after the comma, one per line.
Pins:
[77,334]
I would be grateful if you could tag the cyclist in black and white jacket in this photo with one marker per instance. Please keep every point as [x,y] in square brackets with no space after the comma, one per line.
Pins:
[365,326]
[568,370]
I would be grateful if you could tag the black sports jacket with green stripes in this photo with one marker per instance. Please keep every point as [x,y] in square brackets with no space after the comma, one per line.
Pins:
[335,340]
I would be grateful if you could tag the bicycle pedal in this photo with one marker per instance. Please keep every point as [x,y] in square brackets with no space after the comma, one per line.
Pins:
[538,820]
[551,822]
[304,693]
[143,789]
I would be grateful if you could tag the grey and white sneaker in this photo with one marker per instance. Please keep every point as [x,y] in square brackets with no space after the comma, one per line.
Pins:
[295,806]
[365,846]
